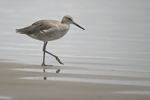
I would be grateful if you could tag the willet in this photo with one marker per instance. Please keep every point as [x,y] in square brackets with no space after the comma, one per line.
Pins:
[48,30]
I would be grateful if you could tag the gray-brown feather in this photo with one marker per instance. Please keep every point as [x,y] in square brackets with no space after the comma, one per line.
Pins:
[35,27]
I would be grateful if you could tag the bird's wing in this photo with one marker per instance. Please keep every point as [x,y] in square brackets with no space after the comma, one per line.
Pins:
[35,27]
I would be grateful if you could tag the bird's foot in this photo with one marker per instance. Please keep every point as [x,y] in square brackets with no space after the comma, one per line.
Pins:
[43,64]
[59,60]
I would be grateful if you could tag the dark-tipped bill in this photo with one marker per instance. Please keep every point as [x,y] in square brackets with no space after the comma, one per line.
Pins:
[78,25]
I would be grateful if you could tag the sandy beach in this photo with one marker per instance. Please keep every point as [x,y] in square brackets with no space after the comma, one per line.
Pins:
[21,82]
[109,60]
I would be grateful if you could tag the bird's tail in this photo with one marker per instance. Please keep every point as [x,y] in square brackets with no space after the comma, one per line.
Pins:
[26,30]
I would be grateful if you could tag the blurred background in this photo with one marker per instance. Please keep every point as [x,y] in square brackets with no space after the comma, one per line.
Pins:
[116,32]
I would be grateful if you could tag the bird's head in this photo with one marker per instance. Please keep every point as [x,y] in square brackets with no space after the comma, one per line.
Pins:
[69,20]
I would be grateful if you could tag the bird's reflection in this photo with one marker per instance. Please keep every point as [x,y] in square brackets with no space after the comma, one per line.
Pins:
[58,70]
[44,70]
[45,78]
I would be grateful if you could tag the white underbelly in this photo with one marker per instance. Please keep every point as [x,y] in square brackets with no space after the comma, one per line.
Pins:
[46,36]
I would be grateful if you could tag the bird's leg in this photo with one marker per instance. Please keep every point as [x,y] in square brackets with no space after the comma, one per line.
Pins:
[44,51]
[44,47]
[54,56]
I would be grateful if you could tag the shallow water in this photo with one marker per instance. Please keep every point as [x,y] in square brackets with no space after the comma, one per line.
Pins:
[5,98]
[122,82]
[134,92]
[115,41]
[108,72]
[113,32]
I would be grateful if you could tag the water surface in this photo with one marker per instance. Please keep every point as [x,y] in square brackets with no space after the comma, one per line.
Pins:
[113,49]
[116,32]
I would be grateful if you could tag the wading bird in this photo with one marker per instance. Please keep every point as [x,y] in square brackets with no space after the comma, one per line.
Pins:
[48,30]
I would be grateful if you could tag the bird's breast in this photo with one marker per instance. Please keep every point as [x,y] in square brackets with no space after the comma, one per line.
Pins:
[60,33]
[49,36]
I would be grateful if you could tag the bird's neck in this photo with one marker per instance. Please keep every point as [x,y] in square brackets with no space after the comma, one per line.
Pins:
[64,22]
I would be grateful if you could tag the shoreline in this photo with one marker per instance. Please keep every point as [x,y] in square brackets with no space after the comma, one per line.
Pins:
[14,85]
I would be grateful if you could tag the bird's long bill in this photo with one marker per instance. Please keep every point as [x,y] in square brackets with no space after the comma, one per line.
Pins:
[78,25]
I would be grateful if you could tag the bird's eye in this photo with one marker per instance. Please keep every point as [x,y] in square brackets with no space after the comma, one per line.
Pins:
[69,18]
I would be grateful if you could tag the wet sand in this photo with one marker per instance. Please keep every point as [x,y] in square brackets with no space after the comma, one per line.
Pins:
[110,60]
[34,82]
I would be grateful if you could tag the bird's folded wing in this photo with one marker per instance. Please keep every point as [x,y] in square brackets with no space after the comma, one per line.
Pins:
[35,27]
